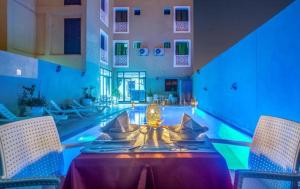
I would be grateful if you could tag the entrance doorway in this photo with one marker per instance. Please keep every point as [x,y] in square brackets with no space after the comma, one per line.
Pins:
[132,86]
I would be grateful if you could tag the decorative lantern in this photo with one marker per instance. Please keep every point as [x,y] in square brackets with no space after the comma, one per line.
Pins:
[153,115]
[133,104]
[194,103]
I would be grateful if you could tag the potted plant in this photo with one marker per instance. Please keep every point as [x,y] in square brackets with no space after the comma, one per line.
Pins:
[149,97]
[116,96]
[30,105]
[88,99]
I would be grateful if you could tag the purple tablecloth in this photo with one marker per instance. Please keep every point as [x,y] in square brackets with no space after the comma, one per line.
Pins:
[201,170]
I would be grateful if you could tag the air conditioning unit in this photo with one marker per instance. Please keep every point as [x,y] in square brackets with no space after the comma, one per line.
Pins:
[143,52]
[159,52]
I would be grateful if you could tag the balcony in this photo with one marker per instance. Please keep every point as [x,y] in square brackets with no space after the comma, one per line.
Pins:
[182,26]
[104,17]
[121,27]
[182,61]
[104,56]
[121,61]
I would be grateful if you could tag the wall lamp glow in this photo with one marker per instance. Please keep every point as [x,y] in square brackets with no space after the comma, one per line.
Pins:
[18,72]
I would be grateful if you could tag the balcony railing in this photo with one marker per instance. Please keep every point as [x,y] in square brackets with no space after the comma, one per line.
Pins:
[182,60]
[104,16]
[104,56]
[182,26]
[121,61]
[121,27]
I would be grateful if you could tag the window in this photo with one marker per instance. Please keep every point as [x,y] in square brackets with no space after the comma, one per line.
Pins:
[167,45]
[171,85]
[72,2]
[137,44]
[167,11]
[121,53]
[182,19]
[105,85]
[182,53]
[121,20]
[103,47]
[137,11]
[104,11]
[72,36]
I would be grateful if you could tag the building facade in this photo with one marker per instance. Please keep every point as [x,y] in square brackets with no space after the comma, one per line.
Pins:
[138,44]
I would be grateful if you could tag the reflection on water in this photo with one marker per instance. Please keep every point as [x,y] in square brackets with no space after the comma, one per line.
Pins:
[171,114]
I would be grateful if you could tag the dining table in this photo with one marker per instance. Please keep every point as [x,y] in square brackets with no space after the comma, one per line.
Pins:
[152,159]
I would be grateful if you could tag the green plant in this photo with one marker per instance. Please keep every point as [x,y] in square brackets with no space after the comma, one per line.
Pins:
[150,94]
[87,93]
[116,93]
[28,99]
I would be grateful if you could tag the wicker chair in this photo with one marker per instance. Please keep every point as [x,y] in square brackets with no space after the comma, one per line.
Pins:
[274,156]
[31,153]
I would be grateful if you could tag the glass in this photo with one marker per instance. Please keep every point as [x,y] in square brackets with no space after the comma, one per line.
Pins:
[132,86]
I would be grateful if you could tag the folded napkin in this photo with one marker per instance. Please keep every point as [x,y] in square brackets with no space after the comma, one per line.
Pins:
[120,124]
[188,129]
[188,123]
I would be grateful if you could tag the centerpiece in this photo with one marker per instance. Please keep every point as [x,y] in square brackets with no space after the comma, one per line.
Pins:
[153,115]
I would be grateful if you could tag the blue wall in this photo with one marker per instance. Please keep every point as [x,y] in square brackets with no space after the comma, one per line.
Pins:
[59,86]
[266,69]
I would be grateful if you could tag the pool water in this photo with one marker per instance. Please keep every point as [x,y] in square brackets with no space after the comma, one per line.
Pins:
[236,156]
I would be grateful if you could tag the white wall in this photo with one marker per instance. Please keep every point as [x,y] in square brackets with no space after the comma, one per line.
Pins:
[21,26]
[17,65]
[50,32]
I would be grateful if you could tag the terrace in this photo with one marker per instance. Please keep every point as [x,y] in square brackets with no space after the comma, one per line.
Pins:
[120,94]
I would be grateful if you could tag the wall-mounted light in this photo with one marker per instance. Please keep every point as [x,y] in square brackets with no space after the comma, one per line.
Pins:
[18,72]
[194,103]
[133,104]
[234,86]
[58,68]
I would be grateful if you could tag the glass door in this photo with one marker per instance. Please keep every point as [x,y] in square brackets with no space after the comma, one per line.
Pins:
[105,85]
[131,86]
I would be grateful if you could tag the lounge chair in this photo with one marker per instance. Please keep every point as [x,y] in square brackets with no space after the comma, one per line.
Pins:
[55,109]
[92,108]
[274,156]
[8,116]
[31,153]
[57,118]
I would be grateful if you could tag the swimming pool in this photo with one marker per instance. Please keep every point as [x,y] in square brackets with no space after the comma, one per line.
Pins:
[236,156]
